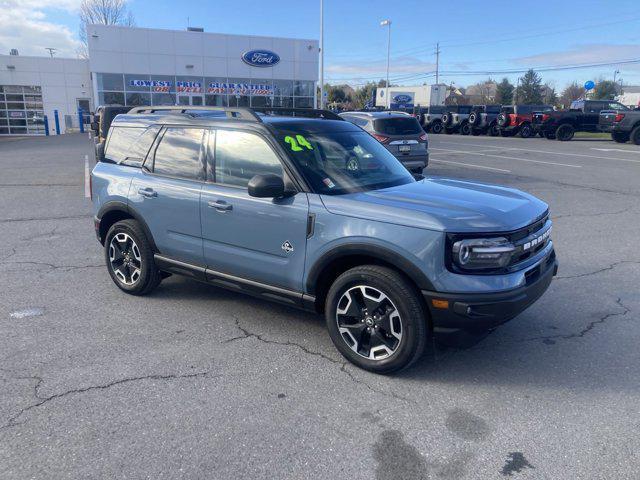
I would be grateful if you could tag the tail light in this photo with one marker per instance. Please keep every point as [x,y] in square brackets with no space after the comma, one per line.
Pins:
[513,117]
[380,138]
[424,137]
[545,117]
[619,117]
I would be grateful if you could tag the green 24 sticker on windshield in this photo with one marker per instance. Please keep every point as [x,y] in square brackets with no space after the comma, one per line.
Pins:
[298,143]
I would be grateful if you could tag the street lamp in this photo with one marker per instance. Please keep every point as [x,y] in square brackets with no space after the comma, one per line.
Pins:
[387,23]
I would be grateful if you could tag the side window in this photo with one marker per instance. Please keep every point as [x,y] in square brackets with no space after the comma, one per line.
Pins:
[593,107]
[239,156]
[179,153]
[119,143]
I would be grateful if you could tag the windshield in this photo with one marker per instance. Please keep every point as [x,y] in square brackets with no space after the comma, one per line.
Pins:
[335,163]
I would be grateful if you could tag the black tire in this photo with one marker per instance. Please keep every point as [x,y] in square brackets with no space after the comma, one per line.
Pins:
[437,127]
[148,277]
[565,132]
[541,134]
[620,137]
[635,135]
[494,131]
[401,296]
[549,135]
[526,130]
[465,128]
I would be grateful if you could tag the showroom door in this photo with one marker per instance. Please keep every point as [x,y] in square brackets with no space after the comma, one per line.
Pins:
[192,100]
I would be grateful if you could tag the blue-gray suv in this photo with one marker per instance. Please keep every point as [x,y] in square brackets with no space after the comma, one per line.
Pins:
[304,208]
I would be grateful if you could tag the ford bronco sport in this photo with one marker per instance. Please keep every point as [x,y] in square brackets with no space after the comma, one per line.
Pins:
[311,211]
[484,119]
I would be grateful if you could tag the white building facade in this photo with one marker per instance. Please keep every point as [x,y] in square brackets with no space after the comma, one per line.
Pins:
[141,66]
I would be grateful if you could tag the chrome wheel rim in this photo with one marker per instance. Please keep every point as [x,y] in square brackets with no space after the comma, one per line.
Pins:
[125,258]
[368,322]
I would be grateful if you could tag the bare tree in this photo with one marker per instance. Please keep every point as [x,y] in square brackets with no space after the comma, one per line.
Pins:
[102,12]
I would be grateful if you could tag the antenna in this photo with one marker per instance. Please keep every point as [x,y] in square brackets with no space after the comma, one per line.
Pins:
[52,51]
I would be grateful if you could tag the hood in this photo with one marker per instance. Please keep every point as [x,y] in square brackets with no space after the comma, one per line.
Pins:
[442,204]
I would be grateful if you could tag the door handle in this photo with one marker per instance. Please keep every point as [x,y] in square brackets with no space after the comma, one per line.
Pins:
[220,205]
[147,192]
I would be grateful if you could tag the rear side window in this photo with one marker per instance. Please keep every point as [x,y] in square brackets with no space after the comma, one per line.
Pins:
[397,126]
[239,156]
[129,145]
[464,109]
[179,153]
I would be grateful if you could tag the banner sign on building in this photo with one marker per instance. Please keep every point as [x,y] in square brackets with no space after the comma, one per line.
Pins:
[156,85]
[189,87]
[223,88]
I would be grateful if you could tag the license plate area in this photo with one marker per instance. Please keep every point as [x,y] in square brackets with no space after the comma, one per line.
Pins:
[404,148]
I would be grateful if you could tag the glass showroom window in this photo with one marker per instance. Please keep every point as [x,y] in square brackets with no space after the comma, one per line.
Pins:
[110,98]
[261,93]
[163,90]
[110,82]
[303,102]
[216,92]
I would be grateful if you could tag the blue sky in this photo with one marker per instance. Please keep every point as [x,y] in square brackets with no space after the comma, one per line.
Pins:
[474,35]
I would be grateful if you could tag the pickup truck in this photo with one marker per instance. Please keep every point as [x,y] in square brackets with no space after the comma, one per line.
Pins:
[583,116]
[623,125]
[484,119]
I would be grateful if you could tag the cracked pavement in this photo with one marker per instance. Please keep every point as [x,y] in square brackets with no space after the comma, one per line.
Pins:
[197,382]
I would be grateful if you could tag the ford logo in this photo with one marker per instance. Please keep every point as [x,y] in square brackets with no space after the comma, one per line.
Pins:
[402,99]
[260,58]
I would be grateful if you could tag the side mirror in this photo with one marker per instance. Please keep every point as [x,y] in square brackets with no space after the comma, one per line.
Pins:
[266,186]
[418,176]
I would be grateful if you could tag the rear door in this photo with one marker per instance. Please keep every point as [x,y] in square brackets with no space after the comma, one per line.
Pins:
[259,239]
[591,115]
[166,193]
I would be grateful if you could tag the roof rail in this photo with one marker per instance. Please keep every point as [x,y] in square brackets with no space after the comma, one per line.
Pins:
[299,112]
[239,113]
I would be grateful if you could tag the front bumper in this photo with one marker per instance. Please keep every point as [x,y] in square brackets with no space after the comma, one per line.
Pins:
[483,311]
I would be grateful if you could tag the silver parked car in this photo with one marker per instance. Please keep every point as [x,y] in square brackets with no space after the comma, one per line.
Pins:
[399,132]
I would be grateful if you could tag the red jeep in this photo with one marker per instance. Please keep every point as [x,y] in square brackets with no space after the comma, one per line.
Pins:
[516,119]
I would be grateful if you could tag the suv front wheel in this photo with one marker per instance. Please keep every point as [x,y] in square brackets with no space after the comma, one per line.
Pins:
[375,319]
[129,258]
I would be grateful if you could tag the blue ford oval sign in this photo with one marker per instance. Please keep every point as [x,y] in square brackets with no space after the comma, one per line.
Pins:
[402,98]
[260,58]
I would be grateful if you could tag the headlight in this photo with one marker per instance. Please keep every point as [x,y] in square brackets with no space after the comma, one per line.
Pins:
[482,253]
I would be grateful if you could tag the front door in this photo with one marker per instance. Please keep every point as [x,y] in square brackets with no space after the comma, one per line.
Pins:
[260,239]
[191,100]
[167,196]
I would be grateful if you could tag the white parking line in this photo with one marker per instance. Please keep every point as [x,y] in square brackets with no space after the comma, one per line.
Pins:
[431,159]
[547,152]
[508,158]
[87,173]
[615,150]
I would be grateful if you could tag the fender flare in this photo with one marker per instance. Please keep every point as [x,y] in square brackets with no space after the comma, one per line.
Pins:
[117,206]
[376,251]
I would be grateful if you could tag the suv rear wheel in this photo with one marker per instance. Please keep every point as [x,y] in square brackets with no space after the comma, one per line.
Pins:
[375,319]
[465,128]
[565,132]
[130,258]
[525,130]
[494,131]
[620,137]
[635,135]
[436,127]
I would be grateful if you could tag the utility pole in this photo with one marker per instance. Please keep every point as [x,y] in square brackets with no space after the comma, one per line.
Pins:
[437,63]
[387,23]
[321,54]
[51,50]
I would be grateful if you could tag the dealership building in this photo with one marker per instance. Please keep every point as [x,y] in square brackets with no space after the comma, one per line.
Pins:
[141,66]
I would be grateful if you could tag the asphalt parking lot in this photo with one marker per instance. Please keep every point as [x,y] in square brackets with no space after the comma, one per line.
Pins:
[197,382]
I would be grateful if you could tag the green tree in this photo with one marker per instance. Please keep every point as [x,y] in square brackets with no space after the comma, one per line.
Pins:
[504,92]
[364,94]
[530,90]
[605,90]
[572,92]
[550,95]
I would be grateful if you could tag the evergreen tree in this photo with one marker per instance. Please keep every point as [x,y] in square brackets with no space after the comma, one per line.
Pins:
[504,92]
[530,89]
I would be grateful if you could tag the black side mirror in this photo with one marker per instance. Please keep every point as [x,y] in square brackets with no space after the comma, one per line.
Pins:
[266,186]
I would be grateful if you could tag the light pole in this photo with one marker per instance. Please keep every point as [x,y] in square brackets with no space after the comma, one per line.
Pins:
[387,23]
[321,54]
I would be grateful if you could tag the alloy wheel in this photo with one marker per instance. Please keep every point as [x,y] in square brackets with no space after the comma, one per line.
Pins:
[369,322]
[125,258]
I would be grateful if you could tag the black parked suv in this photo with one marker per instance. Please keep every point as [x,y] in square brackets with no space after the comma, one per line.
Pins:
[623,125]
[583,116]
[484,120]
